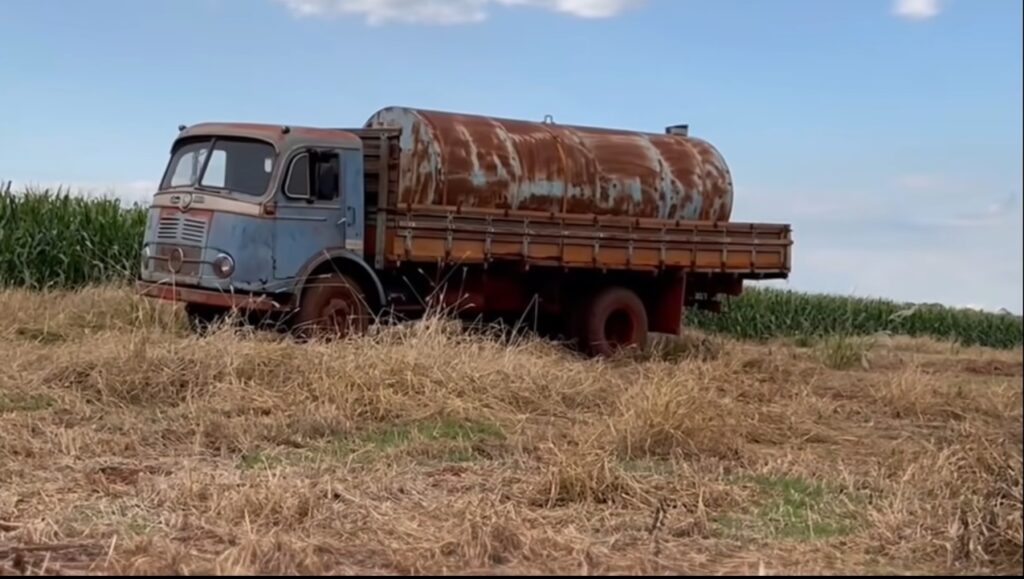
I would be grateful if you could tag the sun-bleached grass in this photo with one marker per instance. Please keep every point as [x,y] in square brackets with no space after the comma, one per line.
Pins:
[129,445]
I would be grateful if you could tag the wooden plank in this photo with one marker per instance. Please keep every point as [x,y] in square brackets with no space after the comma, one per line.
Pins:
[611,256]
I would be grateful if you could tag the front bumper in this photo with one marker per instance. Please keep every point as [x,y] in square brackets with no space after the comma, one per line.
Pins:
[220,299]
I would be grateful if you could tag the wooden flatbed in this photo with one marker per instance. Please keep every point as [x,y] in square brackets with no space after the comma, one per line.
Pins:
[450,235]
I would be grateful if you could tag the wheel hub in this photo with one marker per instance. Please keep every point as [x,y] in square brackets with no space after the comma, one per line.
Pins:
[619,329]
[337,314]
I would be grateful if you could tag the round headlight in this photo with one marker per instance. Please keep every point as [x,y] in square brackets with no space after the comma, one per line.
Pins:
[223,266]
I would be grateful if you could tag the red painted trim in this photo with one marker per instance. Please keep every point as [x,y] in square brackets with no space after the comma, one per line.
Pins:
[208,297]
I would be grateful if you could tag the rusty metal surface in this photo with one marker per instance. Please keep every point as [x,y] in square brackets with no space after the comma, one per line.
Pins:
[186,294]
[282,139]
[452,159]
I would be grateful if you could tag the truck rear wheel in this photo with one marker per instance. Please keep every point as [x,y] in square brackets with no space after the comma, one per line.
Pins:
[612,321]
[332,306]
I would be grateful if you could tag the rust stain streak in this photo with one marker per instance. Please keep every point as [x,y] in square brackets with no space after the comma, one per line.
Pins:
[468,160]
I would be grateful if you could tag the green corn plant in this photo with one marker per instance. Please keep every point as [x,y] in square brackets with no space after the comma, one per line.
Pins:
[55,239]
[764,313]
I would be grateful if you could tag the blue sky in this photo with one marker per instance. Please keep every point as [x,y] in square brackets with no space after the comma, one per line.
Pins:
[888,132]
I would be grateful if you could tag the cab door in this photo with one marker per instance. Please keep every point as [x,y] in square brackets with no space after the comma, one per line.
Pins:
[310,213]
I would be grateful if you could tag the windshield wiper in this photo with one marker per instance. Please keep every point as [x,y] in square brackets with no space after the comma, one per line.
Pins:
[207,189]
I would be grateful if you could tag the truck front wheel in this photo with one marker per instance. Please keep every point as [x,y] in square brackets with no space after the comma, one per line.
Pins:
[612,321]
[332,306]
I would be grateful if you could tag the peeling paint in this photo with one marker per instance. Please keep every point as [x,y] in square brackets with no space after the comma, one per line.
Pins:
[476,161]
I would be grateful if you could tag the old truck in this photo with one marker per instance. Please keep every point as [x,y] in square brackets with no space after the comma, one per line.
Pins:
[600,235]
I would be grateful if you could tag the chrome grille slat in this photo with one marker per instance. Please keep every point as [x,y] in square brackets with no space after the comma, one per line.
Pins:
[179,228]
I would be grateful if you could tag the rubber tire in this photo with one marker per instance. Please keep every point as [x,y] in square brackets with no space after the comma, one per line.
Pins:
[337,292]
[622,308]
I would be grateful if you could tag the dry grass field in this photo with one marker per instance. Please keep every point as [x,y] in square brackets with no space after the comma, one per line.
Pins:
[128,445]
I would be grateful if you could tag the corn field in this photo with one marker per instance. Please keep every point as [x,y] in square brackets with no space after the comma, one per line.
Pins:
[55,239]
[761,314]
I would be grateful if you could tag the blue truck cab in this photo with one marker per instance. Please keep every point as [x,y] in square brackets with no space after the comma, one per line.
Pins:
[247,216]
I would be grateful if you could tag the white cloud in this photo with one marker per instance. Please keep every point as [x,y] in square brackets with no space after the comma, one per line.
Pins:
[580,8]
[1003,212]
[917,9]
[977,273]
[920,238]
[448,11]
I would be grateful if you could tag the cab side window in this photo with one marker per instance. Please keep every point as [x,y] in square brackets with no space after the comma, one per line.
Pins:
[314,176]
[297,185]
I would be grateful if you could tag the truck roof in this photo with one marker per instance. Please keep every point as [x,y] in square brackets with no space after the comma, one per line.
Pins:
[280,136]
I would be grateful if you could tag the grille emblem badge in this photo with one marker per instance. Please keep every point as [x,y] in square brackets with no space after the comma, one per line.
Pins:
[185,201]
[175,260]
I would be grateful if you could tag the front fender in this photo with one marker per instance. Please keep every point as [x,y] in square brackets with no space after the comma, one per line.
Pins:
[343,259]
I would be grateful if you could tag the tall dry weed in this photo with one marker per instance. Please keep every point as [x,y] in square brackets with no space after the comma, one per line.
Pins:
[128,444]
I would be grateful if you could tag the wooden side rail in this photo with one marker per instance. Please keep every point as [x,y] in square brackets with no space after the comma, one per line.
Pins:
[448,235]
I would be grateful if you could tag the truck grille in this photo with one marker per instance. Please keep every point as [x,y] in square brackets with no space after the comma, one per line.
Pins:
[181,228]
[190,260]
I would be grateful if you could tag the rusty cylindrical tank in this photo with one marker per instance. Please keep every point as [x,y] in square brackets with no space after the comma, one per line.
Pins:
[474,161]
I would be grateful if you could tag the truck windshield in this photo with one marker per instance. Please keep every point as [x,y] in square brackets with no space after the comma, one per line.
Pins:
[235,165]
